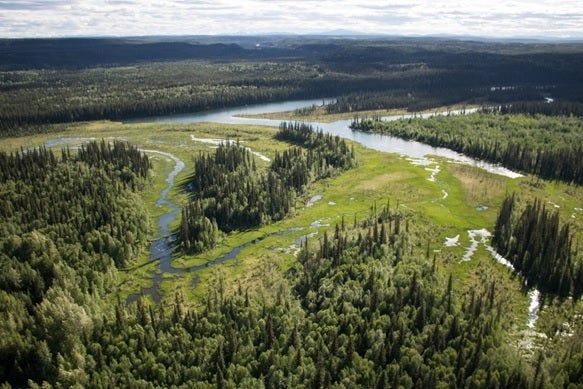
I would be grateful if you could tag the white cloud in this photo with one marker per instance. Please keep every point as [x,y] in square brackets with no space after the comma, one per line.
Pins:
[20,18]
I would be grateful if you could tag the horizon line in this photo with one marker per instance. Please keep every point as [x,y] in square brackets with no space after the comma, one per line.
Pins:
[341,34]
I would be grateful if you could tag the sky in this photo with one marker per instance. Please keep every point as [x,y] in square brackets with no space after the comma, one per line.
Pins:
[498,19]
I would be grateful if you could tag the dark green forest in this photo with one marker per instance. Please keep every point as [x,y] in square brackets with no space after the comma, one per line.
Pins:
[229,192]
[361,310]
[365,304]
[364,308]
[547,146]
[65,80]
[68,222]
[540,247]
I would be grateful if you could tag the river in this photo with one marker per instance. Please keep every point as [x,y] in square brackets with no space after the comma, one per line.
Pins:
[341,128]
[161,248]
[418,153]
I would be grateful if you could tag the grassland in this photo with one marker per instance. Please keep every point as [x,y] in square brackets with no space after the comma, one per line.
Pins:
[318,114]
[458,198]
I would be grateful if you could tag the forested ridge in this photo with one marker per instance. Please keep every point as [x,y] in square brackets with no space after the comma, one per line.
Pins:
[67,223]
[79,53]
[229,192]
[549,147]
[54,81]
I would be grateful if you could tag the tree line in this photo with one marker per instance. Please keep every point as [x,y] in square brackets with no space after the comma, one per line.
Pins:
[539,246]
[228,191]
[68,222]
[548,147]
[548,108]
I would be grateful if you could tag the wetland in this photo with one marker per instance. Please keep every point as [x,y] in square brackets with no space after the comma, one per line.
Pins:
[152,246]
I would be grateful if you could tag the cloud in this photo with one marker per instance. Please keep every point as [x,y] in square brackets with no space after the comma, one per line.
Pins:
[32,5]
[422,17]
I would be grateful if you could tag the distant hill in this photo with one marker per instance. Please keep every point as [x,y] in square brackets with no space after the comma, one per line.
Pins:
[18,54]
[79,53]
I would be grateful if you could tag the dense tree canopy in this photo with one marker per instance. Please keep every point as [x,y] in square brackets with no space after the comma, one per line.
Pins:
[364,308]
[364,305]
[229,192]
[549,147]
[540,247]
[66,224]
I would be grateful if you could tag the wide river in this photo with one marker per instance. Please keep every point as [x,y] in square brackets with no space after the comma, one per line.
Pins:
[377,142]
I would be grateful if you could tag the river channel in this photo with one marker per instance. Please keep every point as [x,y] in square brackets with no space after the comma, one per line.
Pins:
[161,248]
[341,128]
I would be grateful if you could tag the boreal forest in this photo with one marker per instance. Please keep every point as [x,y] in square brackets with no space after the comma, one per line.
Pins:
[410,214]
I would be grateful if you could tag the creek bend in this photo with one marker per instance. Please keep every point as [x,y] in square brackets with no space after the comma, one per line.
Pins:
[161,248]
[416,151]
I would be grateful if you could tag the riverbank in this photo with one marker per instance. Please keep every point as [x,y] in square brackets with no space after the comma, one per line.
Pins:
[319,114]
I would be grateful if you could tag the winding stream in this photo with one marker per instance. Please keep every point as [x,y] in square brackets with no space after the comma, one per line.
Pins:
[161,248]
[417,153]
